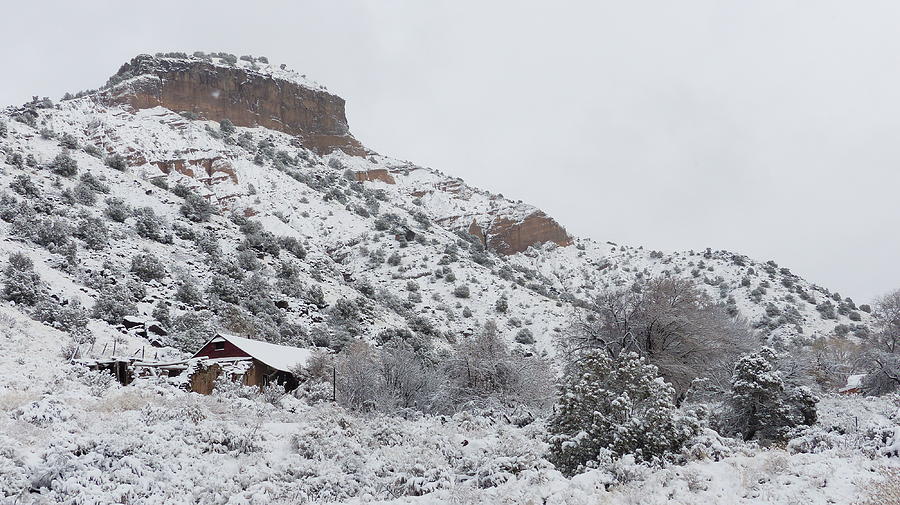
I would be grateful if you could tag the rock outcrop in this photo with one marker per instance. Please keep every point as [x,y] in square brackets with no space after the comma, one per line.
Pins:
[376,174]
[509,236]
[241,95]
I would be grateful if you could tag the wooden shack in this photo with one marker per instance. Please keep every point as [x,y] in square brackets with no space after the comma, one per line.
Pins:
[253,362]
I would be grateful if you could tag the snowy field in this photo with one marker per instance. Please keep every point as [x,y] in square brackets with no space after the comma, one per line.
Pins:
[72,436]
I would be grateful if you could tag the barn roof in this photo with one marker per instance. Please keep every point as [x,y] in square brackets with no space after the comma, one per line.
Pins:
[853,382]
[279,357]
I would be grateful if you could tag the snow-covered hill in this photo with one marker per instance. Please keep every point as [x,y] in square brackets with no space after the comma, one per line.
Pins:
[252,210]
[414,244]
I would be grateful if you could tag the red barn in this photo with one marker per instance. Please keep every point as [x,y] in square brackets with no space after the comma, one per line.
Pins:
[254,362]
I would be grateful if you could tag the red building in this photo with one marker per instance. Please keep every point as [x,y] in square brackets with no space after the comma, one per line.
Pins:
[253,362]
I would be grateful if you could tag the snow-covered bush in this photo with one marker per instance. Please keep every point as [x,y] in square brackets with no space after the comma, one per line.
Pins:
[42,412]
[63,164]
[116,161]
[622,406]
[148,225]
[148,267]
[525,336]
[71,316]
[814,440]
[117,210]
[189,292]
[23,185]
[293,246]
[68,141]
[114,303]
[14,478]
[51,233]
[93,232]
[21,284]
[196,208]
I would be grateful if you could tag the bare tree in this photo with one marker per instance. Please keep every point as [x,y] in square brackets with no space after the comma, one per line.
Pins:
[672,323]
[483,370]
[883,356]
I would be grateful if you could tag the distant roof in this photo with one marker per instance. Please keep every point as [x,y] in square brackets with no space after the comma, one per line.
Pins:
[279,357]
[853,382]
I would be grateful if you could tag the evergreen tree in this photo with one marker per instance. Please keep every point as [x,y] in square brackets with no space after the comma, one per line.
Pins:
[761,405]
[612,407]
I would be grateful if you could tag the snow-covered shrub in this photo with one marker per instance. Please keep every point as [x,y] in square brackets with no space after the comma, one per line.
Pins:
[879,439]
[68,141]
[116,161]
[117,210]
[814,440]
[71,317]
[114,303]
[461,291]
[189,292]
[196,208]
[148,267]
[93,231]
[92,150]
[63,164]
[21,284]
[293,246]
[23,185]
[52,232]
[707,445]
[192,329]
[226,438]
[524,336]
[622,406]
[93,183]
[226,127]
[14,478]
[47,410]
[97,381]
[148,225]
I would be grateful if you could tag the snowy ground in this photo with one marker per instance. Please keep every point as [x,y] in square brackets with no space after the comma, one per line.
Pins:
[72,436]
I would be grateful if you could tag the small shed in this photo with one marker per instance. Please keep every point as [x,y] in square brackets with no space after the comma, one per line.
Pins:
[254,362]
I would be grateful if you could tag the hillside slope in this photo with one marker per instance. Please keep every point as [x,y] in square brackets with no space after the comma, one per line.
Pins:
[409,246]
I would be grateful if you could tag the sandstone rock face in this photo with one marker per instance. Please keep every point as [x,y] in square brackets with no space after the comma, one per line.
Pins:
[508,236]
[377,174]
[245,97]
[206,170]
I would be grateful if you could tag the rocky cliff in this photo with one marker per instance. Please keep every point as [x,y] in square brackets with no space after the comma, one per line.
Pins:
[251,93]
[247,95]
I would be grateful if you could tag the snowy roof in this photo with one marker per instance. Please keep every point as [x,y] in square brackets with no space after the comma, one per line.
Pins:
[279,357]
[853,382]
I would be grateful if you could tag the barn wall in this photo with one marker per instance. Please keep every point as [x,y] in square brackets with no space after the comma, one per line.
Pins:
[202,381]
[230,351]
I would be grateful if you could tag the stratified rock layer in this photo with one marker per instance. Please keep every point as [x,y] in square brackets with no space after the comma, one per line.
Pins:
[508,236]
[244,97]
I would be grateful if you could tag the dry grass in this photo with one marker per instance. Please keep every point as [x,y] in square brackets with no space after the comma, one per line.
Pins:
[884,490]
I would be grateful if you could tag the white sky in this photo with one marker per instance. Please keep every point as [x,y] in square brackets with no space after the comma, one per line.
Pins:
[767,128]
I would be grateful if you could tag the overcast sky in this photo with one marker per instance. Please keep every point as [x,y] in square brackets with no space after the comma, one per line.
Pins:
[766,128]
